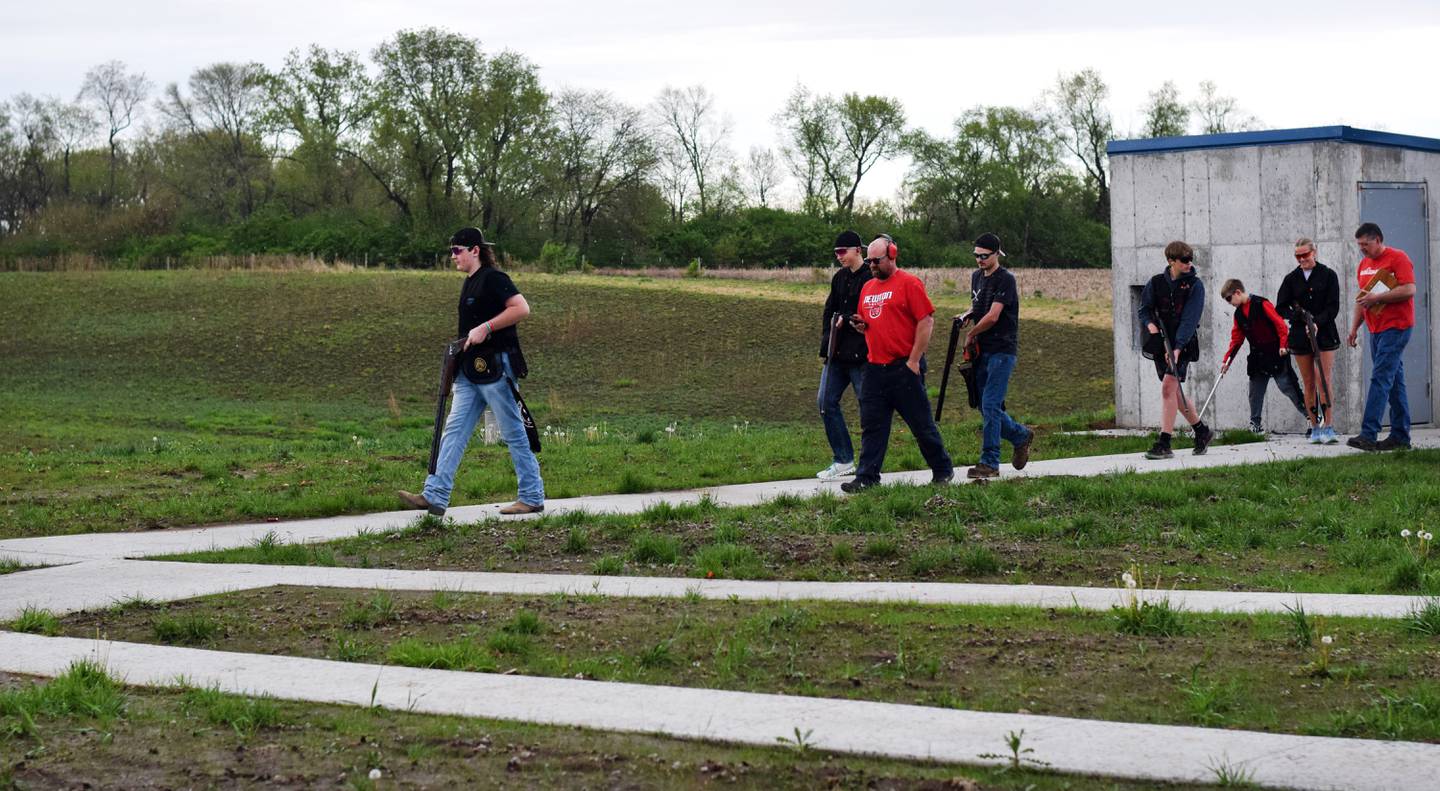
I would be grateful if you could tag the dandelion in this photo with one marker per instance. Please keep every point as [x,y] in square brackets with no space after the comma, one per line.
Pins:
[1129,579]
[1406,533]
[374,774]
[1328,639]
[154,439]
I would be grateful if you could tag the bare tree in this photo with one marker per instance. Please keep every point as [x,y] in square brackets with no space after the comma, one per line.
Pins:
[116,94]
[1165,114]
[224,116]
[763,173]
[33,120]
[674,178]
[74,125]
[690,122]
[1219,114]
[602,148]
[1085,128]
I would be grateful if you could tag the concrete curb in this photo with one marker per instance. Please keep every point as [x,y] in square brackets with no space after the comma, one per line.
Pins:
[1143,752]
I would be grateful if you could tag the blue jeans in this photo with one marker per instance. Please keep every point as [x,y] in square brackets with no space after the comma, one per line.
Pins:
[839,376]
[467,403]
[992,376]
[889,389]
[1289,386]
[1387,386]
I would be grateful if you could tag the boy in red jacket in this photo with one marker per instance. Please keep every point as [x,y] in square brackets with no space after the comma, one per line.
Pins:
[1269,358]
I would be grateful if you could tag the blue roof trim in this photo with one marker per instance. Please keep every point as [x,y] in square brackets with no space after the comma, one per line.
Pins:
[1272,137]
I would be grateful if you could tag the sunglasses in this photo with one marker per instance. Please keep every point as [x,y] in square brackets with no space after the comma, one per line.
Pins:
[873,261]
[839,251]
[983,256]
[1184,259]
[1303,256]
[458,250]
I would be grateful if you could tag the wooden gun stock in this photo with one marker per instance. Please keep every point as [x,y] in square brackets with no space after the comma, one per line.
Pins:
[449,365]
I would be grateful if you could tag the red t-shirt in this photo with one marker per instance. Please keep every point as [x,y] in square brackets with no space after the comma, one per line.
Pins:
[1392,315]
[893,307]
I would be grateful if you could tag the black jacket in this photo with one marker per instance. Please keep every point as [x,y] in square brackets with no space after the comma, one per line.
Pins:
[1176,304]
[844,300]
[1320,295]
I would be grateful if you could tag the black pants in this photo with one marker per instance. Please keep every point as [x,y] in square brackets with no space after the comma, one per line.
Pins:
[885,390]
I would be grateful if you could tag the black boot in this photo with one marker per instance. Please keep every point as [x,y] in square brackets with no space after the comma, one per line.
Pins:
[1203,435]
[1161,449]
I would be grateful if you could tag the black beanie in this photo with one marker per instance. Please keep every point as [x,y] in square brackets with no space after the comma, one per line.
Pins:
[989,241]
[848,239]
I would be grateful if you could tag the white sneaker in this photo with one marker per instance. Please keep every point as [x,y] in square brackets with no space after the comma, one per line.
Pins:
[836,470]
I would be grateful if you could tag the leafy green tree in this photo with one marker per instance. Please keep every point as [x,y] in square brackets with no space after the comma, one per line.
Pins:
[1165,114]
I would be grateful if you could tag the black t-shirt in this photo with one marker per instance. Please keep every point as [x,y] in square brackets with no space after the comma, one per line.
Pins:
[1004,336]
[482,298]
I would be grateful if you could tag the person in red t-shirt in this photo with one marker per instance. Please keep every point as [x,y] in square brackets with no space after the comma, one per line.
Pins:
[896,318]
[1269,358]
[1387,309]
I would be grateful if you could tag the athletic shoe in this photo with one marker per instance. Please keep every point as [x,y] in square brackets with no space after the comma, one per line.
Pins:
[1329,437]
[1021,456]
[857,485]
[1257,428]
[1360,443]
[836,470]
[1160,450]
[419,503]
[1316,436]
[982,471]
[937,480]
[1203,435]
[1391,443]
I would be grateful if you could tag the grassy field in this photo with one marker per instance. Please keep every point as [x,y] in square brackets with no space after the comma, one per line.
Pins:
[85,729]
[140,400]
[1270,672]
[1318,525]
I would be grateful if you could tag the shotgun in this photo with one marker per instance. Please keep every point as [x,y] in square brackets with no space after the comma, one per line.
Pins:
[957,328]
[1312,332]
[449,364]
[829,357]
[1171,367]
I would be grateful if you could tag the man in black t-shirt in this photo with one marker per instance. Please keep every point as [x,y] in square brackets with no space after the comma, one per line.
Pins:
[995,306]
[490,307]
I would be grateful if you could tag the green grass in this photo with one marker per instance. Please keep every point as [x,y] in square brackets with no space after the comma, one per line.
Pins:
[186,630]
[35,620]
[83,690]
[1219,670]
[187,738]
[138,400]
[1316,525]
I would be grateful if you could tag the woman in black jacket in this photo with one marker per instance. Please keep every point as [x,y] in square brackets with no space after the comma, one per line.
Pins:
[1311,293]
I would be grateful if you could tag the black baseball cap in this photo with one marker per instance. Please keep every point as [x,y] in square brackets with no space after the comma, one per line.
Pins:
[470,237]
[991,242]
[848,239]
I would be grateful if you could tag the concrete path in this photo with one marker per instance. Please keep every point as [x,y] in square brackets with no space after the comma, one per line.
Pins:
[98,584]
[1142,752]
[73,548]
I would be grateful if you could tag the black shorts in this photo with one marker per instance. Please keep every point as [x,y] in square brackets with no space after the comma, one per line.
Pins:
[1162,370]
[1328,341]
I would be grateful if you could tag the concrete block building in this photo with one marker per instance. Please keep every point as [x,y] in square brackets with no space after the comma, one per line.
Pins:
[1241,200]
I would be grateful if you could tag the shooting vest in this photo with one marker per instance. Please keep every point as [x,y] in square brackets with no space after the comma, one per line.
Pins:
[1168,304]
[1264,357]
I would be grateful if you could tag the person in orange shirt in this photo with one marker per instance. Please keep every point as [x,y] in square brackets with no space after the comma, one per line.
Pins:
[1257,321]
[1390,327]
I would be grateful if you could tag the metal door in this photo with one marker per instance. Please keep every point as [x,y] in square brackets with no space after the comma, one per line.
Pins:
[1400,211]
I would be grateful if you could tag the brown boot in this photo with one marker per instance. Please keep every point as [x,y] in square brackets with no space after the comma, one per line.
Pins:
[982,471]
[419,503]
[516,508]
[1021,457]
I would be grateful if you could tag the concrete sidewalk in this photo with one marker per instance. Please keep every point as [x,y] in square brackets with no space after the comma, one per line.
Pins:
[1141,752]
[98,584]
[73,548]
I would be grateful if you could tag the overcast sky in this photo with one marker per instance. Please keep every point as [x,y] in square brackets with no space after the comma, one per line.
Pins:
[1291,64]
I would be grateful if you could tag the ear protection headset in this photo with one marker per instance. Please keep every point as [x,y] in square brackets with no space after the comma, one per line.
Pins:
[891,251]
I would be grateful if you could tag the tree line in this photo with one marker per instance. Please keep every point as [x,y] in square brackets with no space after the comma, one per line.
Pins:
[343,158]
